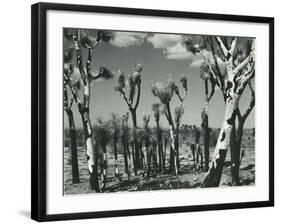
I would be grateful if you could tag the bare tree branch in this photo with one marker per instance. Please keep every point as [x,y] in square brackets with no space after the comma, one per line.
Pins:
[211,70]
[215,58]
[247,60]
[138,96]
[222,46]
[212,90]
[233,45]
[125,98]
[241,65]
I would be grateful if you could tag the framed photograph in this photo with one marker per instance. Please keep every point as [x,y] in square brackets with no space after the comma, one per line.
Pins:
[138,111]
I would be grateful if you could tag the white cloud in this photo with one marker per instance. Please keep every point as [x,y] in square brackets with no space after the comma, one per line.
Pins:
[177,52]
[172,46]
[198,60]
[164,40]
[127,39]
[196,63]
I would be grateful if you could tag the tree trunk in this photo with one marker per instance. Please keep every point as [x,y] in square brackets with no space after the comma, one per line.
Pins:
[205,126]
[115,154]
[206,143]
[165,153]
[128,155]
[223,143]
[136,146]
[154,153]
[134,158]
[173,153]
[159,145]
[73,148]
[192,147]
[148,158]
[91,153]
[125,156]
[104,168]
[177,145]
[235,155]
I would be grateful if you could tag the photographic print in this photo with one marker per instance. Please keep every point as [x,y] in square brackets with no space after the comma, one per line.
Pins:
[150,111]
[144,111]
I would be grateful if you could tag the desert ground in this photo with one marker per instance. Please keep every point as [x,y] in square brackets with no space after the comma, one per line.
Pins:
[187,177]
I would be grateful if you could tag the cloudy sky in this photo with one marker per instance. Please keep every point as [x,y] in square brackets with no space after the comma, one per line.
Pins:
[161,55]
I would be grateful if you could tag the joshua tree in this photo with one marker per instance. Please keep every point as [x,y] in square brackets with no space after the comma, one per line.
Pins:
[102,138]
[125,142]
[178,115]
[237,56]
[132,101]
[157,110]
[68,68]
[115,124]
[82,40]
[164,153]
[165,94]
[206,77]
[146,138]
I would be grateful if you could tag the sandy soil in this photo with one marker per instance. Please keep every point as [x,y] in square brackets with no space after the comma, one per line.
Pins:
[187,177]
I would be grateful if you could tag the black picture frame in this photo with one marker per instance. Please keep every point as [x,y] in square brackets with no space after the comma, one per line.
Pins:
[39,122]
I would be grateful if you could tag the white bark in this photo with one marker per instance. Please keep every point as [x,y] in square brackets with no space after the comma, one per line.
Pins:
[223,142]
[90,154]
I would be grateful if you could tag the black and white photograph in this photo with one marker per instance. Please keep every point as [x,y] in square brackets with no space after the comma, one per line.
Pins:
[148,111]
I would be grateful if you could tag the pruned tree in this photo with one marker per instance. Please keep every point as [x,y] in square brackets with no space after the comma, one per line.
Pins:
[165,94]
[115,133]
[231,63]
[156,108]
[81,40]
[132,99]
[68,69]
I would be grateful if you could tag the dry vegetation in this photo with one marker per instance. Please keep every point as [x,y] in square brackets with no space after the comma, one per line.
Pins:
[187,177]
